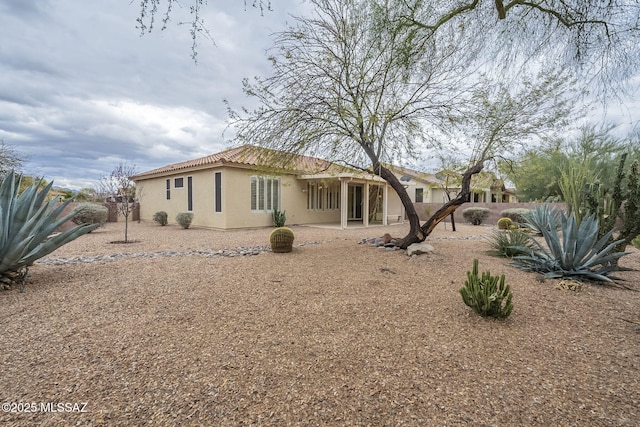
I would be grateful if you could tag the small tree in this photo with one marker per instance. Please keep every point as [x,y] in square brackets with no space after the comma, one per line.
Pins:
[119,188]
[10,160]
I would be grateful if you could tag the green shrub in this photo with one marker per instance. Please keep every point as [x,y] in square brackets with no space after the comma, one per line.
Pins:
[487,295]
[279,217]
[475,215]
[575,252]
[184,219]
[510,243]
[505,223]
[636,242]
[281,240]
[161,218]
[515,214]
[90,213]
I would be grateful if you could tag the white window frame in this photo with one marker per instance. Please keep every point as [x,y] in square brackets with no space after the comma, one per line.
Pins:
[265,193]
[322,196]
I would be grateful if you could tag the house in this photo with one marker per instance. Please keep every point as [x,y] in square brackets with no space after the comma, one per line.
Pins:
[241,187]
[422,187]
[445,185]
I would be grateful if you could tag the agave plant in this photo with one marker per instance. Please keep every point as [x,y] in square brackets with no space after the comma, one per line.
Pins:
[542,217]
[28,222]
[577,253]
[509,243]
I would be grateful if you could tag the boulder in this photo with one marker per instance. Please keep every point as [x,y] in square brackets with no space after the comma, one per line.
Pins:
[419,248]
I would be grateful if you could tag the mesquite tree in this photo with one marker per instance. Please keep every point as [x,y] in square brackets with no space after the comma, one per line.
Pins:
[355,84]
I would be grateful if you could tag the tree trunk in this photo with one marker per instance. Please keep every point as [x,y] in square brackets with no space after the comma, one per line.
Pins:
[415,232]
[446,210]
[453,222]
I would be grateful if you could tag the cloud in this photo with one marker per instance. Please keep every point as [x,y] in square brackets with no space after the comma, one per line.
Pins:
[82,89]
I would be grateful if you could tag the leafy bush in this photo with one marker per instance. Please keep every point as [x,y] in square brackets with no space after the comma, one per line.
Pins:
[487,295]
[542,217]
[636,242]
[515,214]
[475,215]
[90,213]
[510,243]
[184,219]
[576,253]
[279,217]
[161,218]
[505,223]
[27,222]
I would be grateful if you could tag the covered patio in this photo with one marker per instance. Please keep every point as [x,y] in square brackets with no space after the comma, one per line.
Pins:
[358,200]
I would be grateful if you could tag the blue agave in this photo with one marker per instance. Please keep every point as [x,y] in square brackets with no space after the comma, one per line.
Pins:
[27,223]
[576,252]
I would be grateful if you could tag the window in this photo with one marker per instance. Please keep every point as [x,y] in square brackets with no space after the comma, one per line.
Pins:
[419,195]
[218,192]
[178,183]
[168,189]
[189,194]
[265,193]
[323,196]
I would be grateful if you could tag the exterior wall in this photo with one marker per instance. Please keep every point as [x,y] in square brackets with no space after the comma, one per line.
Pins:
[152,196]
[395,209]
[236,200]
[494,208]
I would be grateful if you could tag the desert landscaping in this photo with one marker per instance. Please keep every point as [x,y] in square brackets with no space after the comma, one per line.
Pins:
[180,328]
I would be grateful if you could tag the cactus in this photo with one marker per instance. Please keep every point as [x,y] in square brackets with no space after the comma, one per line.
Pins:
[279,218]
[505,223]
[487,295]
[281,240]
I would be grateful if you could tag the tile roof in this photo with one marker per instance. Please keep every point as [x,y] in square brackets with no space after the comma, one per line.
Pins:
[427,178]
[251,156]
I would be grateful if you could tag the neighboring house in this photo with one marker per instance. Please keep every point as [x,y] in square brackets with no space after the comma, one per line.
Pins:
[433,188]
[422,187]
[242,186]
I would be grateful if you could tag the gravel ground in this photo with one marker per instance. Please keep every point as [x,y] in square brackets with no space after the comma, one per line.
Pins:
[334,333]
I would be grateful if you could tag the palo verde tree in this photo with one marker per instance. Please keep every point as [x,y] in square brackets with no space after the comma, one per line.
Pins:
[356,85]
[118,187]
[595,40]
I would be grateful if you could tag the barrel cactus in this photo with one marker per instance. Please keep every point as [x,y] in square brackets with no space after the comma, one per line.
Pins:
[505,223]
[27,223]
[281,239]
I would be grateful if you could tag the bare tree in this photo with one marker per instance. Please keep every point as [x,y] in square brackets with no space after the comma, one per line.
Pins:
[9,159]
[356,85]
[119,188]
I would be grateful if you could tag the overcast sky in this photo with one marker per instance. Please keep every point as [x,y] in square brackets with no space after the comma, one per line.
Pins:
[80,90]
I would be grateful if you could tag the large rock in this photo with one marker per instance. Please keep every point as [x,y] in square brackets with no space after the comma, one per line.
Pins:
[419,248]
